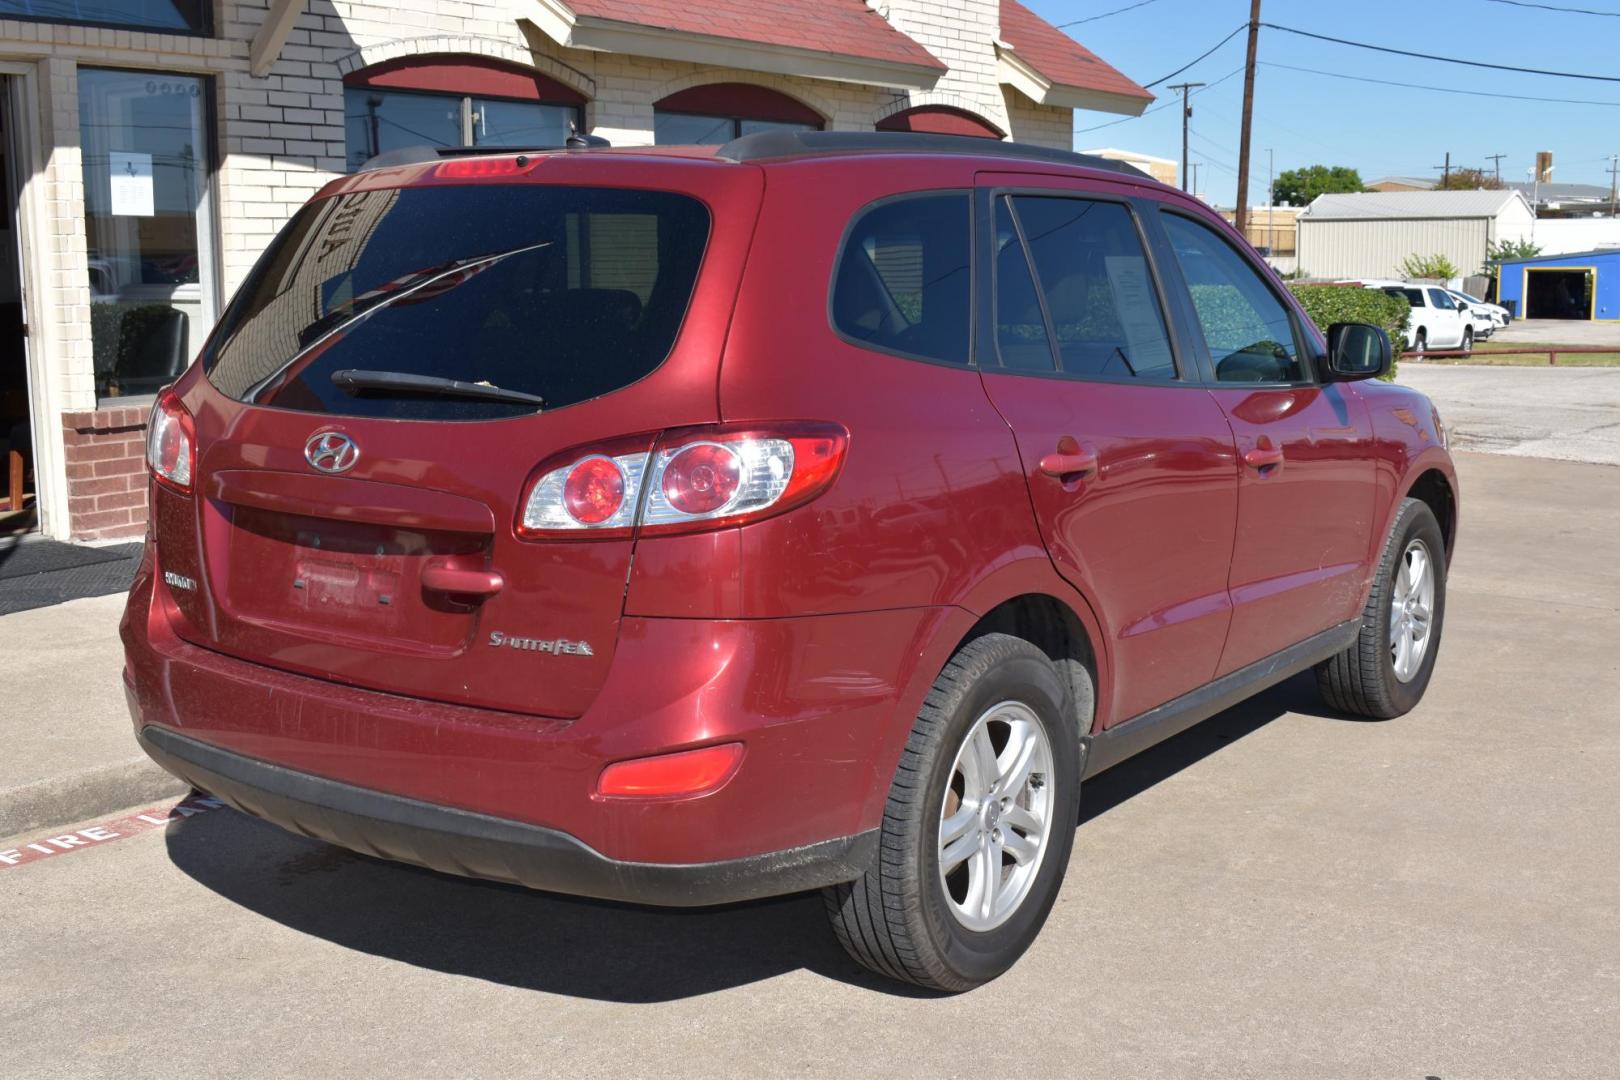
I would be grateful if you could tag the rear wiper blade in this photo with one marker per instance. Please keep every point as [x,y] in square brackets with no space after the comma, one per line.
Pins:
[356,380]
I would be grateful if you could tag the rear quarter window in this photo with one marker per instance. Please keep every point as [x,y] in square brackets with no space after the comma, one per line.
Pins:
[903,283]
[563,293]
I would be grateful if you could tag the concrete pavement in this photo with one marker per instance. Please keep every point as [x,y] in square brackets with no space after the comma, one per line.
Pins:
[1568,413]
[66,755]
[1279,892]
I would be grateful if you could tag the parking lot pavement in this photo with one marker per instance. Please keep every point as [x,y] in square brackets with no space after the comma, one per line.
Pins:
[1592,335]
[1279,892]
[1568,413]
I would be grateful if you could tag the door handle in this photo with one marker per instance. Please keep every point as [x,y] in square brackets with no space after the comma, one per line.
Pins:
[1263,457]
[440,576]
[1071,462]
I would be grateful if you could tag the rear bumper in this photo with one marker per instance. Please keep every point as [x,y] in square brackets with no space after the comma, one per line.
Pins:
[477,845]
[822,706]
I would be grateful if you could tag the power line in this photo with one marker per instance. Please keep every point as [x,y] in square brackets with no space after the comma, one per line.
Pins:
[1165,105]
[1438,59]
[1558,8]
[1106,14]
[1241,27]
[1442,89]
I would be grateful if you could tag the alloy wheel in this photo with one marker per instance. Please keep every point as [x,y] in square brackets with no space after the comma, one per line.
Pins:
[1411,610]
[996,818]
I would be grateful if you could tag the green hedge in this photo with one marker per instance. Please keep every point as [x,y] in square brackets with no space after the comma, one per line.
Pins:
[1329,304]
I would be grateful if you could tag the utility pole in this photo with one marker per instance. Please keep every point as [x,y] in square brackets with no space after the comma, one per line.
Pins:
[1186,114]
[1496,161]
[1445,174]
[1242,214]
[1614,182]
[1271,201]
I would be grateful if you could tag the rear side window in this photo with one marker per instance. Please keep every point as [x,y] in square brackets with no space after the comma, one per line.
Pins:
[1246,327]
[903,283]
[1411,296]
[1099,294]
[561,293]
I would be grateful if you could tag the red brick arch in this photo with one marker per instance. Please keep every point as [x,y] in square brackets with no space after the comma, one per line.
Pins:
[465,74]
[743,101]
[940,120]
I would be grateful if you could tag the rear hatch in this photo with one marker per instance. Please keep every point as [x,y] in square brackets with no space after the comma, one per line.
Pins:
[349,525]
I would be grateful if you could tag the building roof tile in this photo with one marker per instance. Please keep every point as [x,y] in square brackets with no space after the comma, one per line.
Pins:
[845,27]
[1060,58]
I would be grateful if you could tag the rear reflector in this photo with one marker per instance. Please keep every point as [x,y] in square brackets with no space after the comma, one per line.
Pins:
[171,443]
[690,772]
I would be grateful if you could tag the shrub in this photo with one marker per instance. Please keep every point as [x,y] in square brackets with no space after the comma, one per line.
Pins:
[1329,304]
[1436,267]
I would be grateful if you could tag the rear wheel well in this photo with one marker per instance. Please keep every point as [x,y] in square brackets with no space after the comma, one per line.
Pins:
[1054,628]
[1433,489]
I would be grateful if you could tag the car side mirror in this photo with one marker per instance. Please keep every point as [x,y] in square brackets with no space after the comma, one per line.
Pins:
[1358,351]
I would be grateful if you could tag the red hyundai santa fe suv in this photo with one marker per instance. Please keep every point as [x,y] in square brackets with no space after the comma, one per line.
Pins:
[686,525]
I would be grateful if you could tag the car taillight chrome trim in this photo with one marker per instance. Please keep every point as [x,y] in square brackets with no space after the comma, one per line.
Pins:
[780,466]
[171,443]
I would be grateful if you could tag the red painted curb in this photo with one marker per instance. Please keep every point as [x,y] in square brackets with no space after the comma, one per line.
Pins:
[119,828]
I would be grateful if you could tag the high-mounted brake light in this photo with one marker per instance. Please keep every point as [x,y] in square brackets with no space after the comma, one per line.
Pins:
[171,443]
[460,168]
[689,772]
[698,478]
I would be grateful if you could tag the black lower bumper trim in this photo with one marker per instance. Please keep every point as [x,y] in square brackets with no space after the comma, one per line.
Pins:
[477,845]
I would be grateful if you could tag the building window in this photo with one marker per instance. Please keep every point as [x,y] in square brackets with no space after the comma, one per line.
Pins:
[180,16]
[147,157]
[454,101]
[719,112]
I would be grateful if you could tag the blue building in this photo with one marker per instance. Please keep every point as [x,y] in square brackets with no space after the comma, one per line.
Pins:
[1583,285]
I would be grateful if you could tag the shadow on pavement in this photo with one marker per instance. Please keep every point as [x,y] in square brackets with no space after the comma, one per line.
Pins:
[590,948]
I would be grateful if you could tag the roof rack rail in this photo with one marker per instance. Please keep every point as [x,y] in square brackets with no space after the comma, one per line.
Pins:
[765,145]
[416,155]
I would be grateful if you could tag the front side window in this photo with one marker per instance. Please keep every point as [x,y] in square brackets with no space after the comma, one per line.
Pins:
[1247,328]
[560,293]
[1441,300]
[903,283]
[1099,293]
[183,16]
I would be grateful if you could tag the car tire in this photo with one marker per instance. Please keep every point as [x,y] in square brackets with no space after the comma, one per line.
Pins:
[904,918]
[1372,678]
[1468,339]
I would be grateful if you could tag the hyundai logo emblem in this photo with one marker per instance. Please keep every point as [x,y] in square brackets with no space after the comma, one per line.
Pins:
[331,451]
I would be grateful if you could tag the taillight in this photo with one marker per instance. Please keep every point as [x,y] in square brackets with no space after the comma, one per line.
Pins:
[698,478]
[689,772]
[171,443]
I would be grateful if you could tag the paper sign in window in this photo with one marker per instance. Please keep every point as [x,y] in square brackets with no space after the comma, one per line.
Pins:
[1138,309]
[131,177]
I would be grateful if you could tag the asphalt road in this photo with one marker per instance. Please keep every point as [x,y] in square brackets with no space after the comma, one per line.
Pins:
[1568,413]
[1279,892]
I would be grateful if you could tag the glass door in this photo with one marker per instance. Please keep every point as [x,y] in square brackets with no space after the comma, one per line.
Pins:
[147,156]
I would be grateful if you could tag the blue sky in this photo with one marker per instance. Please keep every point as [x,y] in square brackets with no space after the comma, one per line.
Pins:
[1379,130]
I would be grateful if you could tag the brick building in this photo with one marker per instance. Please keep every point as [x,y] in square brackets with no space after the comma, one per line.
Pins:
[153,147]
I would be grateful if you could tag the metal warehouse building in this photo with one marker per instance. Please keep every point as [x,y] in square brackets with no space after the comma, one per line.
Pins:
[1582,285]
[1370,234]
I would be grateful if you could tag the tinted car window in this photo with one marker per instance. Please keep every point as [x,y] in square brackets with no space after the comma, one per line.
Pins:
[902,283]
[1099,292]
[1441,300]
[1247,328]
[1021,338]
[564,293]
[1414,297]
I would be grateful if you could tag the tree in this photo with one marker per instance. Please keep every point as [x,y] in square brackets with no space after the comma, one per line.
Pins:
[1498,251]
[1297,187]
[1469,180]
[1432,267]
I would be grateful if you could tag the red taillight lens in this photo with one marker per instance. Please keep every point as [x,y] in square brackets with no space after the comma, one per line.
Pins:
[490,166]
[690,772]
[696,478]
[594,490]
[702,478]
[171,443]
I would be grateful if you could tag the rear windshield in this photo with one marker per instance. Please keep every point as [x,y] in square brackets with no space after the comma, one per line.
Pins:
[559,293]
